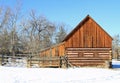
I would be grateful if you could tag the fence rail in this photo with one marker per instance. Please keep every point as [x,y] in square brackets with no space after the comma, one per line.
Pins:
[57,61]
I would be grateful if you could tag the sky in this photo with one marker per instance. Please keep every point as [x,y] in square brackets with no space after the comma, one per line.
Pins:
[70,12]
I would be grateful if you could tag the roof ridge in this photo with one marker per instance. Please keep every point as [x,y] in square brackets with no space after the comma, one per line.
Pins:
[81,22]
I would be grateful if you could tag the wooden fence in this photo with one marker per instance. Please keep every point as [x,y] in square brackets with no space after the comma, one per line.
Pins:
[44,62]
[54,62]
[6,59]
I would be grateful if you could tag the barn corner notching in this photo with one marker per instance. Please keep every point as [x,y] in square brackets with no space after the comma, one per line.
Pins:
[88,44]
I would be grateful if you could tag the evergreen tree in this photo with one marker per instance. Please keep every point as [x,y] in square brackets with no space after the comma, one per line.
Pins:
[60,34]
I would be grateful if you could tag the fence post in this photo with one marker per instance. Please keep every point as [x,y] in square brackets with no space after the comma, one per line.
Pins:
[2,61]
[29,62]
[66,61]
[60,62]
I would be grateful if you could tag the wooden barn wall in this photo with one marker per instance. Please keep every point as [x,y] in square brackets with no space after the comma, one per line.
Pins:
[89,35]
[58,50]
[89,56]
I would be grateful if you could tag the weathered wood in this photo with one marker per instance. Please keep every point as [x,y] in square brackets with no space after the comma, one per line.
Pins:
[88,56]
[88,42]
[46,61]
[91,34]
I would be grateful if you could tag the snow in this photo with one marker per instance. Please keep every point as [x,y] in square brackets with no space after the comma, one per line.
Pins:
[16,62]
[57,75]
[115,62]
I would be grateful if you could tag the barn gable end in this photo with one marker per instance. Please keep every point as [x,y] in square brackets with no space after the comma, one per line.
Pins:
[88,34]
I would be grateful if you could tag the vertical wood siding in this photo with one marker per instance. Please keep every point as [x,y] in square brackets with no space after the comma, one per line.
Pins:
[89,35]
[57,50]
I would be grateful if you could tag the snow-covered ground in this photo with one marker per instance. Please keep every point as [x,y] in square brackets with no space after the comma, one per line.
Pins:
[115,62]
[57,75]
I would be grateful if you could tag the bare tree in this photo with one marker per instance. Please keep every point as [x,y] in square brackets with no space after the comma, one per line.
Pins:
[4,34]
[8,27]
[24,36]
[38,32]
[116,46]
[4,18]
[14,27]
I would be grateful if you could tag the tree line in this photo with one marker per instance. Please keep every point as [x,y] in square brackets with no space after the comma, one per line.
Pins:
[27,33]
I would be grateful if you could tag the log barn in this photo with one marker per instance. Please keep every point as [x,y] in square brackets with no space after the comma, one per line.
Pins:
[88,44]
